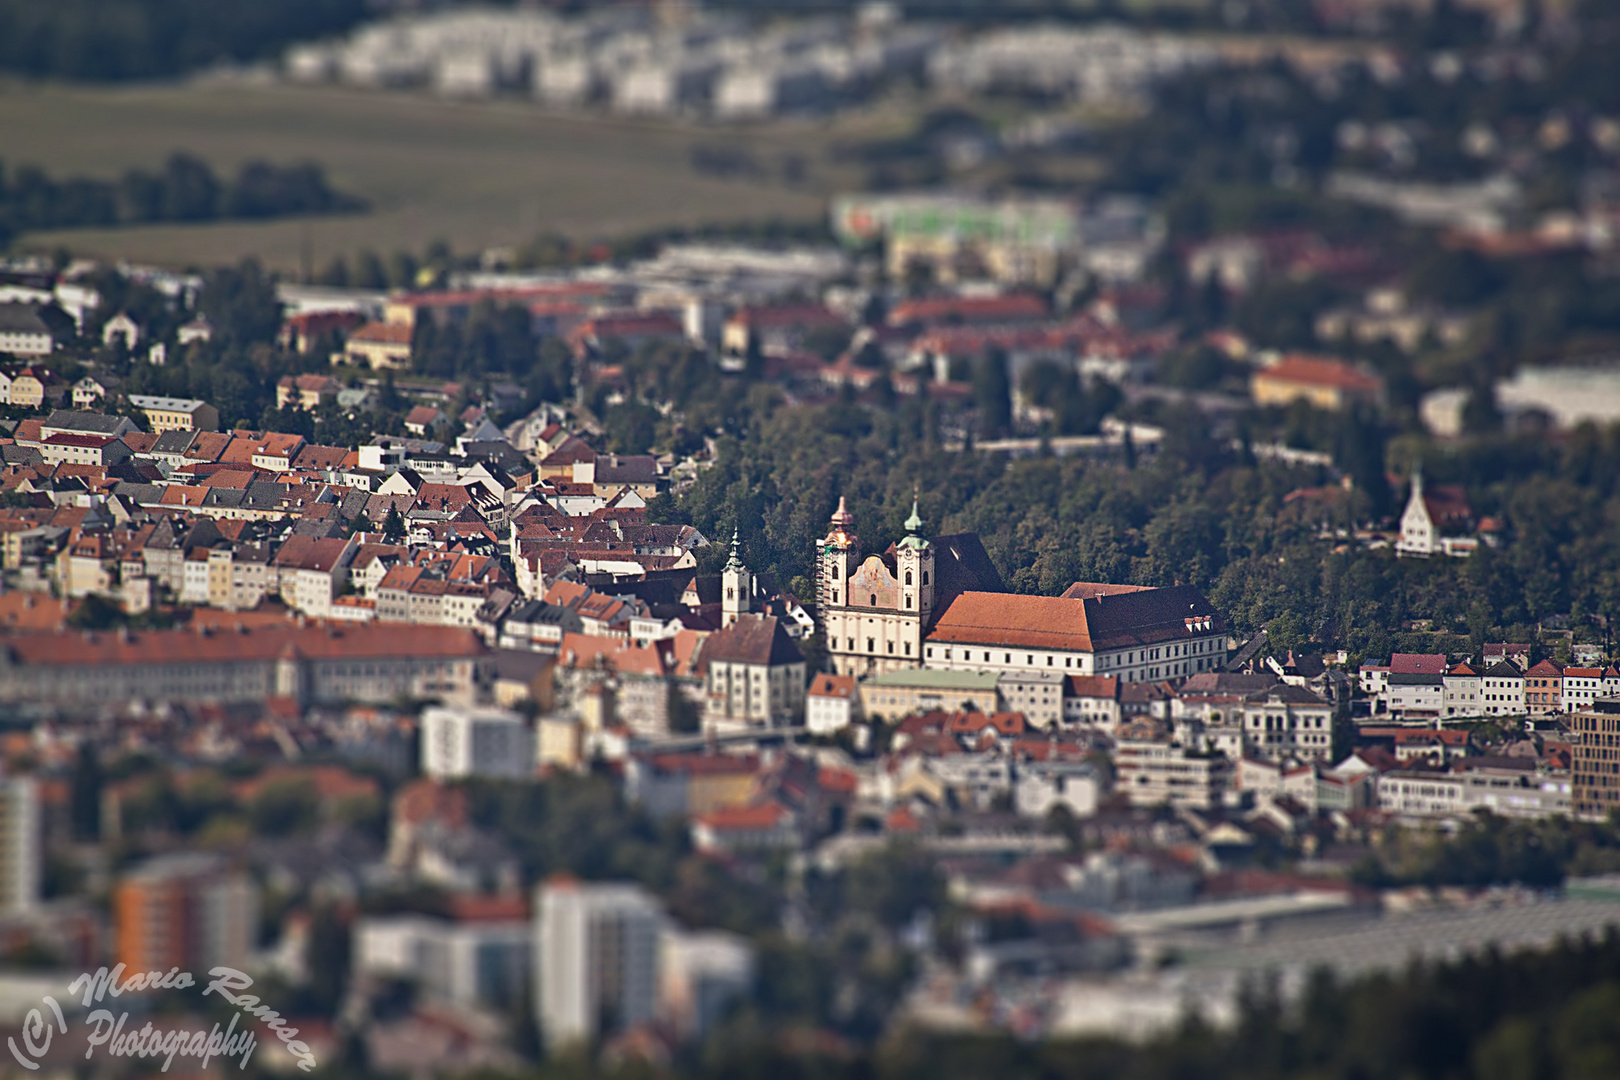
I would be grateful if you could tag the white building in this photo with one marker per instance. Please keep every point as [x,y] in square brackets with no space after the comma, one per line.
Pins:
[831,704]
[20,851]
[1043,785]
[1462,692]
[1153,773]
[596,960]
[469,963]
[1501,690]
[702,973]
[463,742]
[1288,721]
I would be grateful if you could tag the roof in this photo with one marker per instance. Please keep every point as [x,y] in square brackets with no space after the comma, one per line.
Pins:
[84,423]
[381,334]
[1287,694]
[251,643]
[166,404]
[752,639]
[930,679]
[826,685]
[1093,686]
[1321,372]
[1108,621]
[1418,664]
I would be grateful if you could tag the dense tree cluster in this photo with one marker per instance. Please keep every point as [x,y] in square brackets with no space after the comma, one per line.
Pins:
[102,40]
[185,190]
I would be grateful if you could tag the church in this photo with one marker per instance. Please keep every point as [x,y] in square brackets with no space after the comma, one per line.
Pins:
[941,604]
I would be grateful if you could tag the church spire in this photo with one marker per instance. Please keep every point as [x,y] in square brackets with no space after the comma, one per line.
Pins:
[914,523]
[735,561]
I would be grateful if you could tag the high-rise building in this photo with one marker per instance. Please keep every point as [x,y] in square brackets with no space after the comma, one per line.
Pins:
[597,960]
[1595,768]
[189,911]
[458,742]
[20,853]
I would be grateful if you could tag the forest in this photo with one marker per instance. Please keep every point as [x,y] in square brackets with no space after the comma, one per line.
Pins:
[186,189]
[108,40]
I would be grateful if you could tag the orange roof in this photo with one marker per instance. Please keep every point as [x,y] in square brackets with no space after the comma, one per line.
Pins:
[767,815]
[833,686]
[382,334]
[252,643]
[1321,372]
[1035,622]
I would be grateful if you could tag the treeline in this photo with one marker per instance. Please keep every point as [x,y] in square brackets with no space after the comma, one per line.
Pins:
[104,40]
[185,190]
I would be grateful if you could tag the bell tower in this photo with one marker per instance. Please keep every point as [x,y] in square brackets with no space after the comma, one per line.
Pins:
[736,586]
[838,558]
[914,566]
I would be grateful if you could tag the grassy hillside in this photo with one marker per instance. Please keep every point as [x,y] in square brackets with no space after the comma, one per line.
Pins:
[474,174]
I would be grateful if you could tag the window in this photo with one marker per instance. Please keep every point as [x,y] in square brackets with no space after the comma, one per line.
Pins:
[908,577]
[871,645]
[891,648]
[908,601]
[874,600]
[925,577]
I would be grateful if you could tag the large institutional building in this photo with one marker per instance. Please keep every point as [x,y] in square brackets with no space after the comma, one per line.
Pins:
[940,604]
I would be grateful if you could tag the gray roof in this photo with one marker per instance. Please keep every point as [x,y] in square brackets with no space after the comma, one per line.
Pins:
[85,423]
[1288,695]
[22,319]
[174,443]
[1403,679]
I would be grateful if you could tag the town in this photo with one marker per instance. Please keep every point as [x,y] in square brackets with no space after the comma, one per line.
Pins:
[265,637]
[914,541]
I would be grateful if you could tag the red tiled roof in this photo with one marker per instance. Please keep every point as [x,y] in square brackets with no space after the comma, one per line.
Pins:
[1321,371]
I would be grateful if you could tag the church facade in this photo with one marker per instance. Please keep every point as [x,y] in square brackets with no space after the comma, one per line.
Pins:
[941,604]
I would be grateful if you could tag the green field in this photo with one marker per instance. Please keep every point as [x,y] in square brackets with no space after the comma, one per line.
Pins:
[475,174]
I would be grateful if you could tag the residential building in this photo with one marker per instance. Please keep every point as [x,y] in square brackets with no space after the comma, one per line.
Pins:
[1038,694]
[1422,793]
[189,911]
[1582,686]
[1416,697]
[597,961]
[121,330]
[1154,772]
[894,694]
[379,346]
[701,974]
[480,958]
[307,392]
[1544,688]
[831,704]
[312,571]
[1501,690]
[475,742]
[1042,786]
[754,674]
[31,386]
[1464,692]
[743,830]
[1288,721]
[176,414]
[1595,764]
[1092,700]
[369,663]
[33,330]
[21,844]
[1325,383]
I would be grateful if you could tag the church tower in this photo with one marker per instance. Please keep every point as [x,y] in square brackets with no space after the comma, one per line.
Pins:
[914,566]
[837,558]
[736,586]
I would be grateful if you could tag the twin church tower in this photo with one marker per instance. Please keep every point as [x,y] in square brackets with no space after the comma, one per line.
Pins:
[875,611]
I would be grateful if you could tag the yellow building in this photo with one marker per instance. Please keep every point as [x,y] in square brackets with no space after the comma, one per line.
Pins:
[1326,384]
[176,414]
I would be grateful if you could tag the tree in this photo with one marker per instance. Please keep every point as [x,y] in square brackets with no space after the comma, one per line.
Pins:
[393,527]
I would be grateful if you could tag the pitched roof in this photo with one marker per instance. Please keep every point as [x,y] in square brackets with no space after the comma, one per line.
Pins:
[826,685]
[1321,371]
[752,639]
[1108,621]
